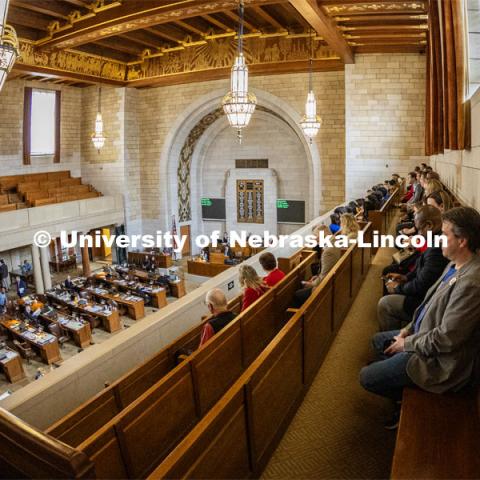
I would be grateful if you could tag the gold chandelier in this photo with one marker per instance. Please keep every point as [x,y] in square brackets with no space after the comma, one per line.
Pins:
[8,44]
[239,104]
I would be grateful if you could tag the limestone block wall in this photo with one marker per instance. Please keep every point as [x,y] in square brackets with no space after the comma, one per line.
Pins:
[460,170]
[385,118]
[11,130]
[104,169]
[161,107]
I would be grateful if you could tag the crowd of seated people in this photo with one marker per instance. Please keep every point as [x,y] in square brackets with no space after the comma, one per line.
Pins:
[429,316]
[253,287]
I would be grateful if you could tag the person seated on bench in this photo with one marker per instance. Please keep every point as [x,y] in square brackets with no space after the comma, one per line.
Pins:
[407,291]
[334,223]
[269,264]
[438,350]
[349,226]
[439,200]
[217,305]
[252,284]
[328,259]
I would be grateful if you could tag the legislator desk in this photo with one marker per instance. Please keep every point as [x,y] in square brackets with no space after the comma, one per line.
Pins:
[156,293]
[44,343]
[11,364]
[110,319]
[63,263]
[160,260]
[78,330]
[206,269]
[27,277]
[134,305]
[177,287]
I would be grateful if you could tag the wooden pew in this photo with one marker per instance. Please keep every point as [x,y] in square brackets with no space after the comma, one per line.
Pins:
[231,350]
[437,436]
[246,424]
[287,264]
[381,219]
[8,208]
[28,453]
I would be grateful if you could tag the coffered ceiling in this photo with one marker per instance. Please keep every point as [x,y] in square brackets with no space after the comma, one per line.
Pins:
[144,43]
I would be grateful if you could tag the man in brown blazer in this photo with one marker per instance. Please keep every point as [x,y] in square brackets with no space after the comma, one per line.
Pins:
[438,351]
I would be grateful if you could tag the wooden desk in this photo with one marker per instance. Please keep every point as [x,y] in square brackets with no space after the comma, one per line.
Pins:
[205,269]
[136,309]
[178,288]
[158,294]
[80,332]
[161,261]
[62,264]
[218,258]
[110,321]
[12,365]
[49,351]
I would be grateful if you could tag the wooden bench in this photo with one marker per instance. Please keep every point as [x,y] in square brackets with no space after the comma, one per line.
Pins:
[8,208]
[287,264]
[229,352]
[28,453]
[382,218]
[238,435]
[437,436]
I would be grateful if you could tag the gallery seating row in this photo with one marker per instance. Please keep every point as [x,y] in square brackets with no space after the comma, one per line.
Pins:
[239,434]
[438,433]
[256,321]
[182,407]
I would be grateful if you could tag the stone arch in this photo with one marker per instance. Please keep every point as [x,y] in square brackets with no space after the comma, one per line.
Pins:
[188,130]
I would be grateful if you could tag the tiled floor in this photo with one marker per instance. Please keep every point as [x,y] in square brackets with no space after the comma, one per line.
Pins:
[69,349]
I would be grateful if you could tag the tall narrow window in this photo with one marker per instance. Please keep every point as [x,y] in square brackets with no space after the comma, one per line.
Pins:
[41,124]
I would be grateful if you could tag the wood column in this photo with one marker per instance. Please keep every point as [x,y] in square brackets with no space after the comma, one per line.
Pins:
[59,247]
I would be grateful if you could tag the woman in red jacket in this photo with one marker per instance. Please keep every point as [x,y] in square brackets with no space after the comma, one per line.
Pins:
[253,286]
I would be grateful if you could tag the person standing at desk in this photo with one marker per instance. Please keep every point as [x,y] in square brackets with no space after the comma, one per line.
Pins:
[4,274]
[3,300]
[26,268]
[146,265]
[21,287]
[69,285]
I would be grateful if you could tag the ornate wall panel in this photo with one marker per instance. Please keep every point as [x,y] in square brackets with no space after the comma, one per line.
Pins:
[250,201]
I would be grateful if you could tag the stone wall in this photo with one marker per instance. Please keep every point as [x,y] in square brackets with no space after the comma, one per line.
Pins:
[460,170]
[385,118]
[166,106]
[11,130]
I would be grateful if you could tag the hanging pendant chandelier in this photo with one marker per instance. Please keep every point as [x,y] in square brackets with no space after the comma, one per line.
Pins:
[8,44]
[311,123]
[98,136]
[239,104]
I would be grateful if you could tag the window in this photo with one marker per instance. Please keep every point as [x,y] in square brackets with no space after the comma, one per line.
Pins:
[473,15]
[41,124]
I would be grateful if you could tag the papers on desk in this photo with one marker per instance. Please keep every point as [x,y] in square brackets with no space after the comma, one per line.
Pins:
[7,355]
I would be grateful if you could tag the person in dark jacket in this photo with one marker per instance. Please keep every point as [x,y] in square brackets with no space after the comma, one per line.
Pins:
[221,316]
[408,291]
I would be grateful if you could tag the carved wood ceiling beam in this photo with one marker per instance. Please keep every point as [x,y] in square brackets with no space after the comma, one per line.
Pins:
[130,16]
[325,26]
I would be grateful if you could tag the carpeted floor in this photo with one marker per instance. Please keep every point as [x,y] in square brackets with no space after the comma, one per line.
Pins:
[338,430]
